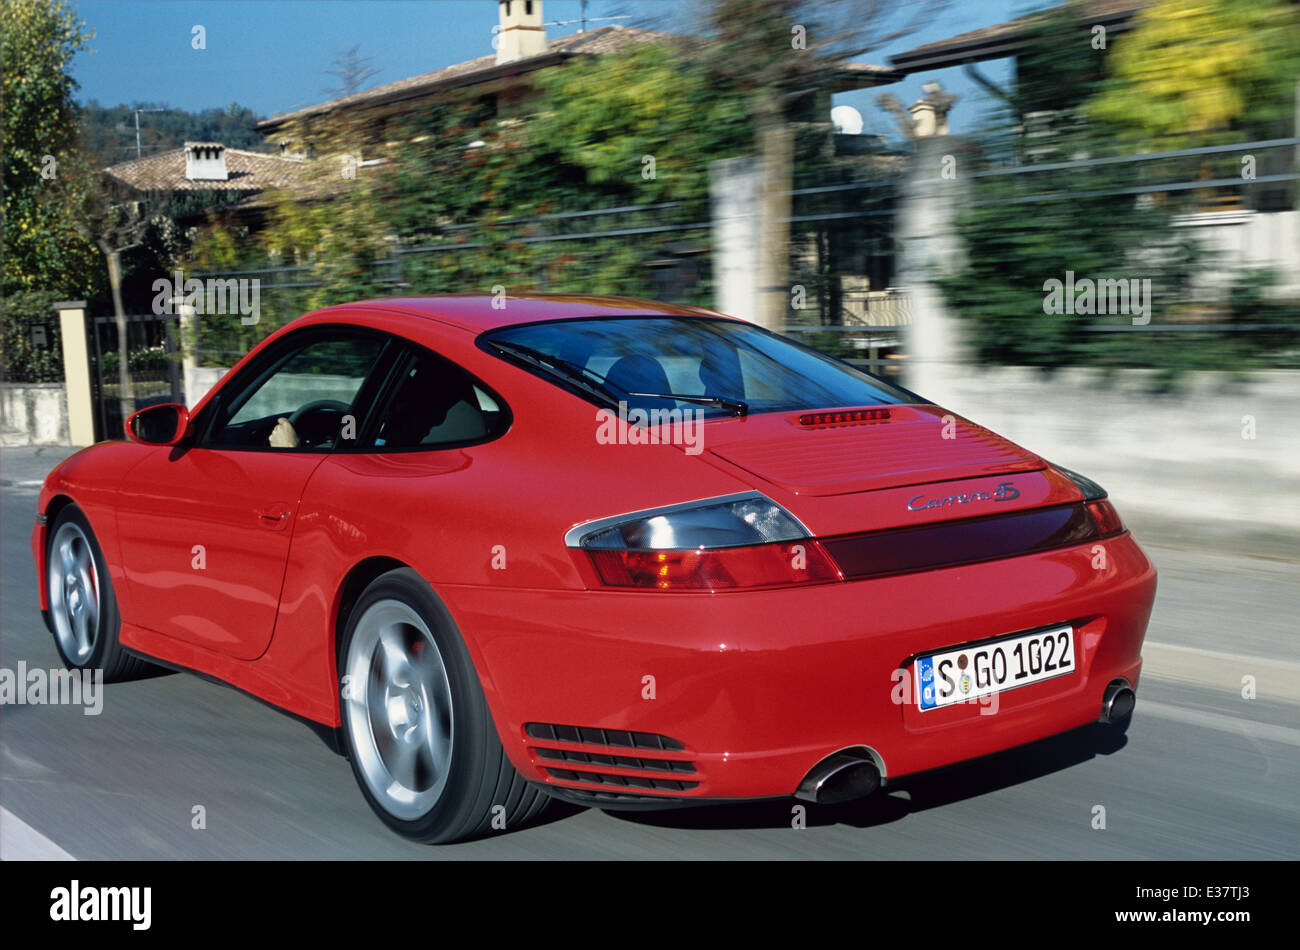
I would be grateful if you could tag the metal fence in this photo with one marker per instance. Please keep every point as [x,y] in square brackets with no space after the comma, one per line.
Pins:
[1206,196]
[1252,187]
[842,250]
[670,245]
[153,363]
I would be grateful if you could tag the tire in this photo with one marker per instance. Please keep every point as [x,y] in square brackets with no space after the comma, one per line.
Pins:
[416,726]
[83,608]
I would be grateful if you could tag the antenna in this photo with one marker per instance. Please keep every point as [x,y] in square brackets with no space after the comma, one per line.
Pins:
[137,127]
[584,20]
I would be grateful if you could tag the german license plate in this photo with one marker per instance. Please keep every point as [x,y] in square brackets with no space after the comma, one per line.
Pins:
[961,675]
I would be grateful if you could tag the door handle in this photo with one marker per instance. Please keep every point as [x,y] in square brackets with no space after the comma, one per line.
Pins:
[274,516]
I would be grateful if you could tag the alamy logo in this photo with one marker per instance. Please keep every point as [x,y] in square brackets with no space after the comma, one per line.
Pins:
[37,687]
[211,296]
[651,427]
[75,902]
[1105,295]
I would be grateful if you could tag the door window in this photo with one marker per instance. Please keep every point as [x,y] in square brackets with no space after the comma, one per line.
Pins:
[306,398]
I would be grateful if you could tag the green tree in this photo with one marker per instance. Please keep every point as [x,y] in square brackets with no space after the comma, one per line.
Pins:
[108,132]
[334,225]
[633,129]
[334,221]
[1022,229]
[473,191]
[115,225]
[642,126]
[43,250]
[1194,72]
[24,359]
[782,55]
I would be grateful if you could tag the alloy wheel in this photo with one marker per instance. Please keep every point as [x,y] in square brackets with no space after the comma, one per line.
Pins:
[74,593]
[398,708]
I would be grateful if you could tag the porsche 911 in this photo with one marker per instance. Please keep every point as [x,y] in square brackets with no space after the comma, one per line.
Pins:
[616,552]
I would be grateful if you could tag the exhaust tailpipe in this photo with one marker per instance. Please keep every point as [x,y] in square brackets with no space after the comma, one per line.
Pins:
[841,777]
[1118,701]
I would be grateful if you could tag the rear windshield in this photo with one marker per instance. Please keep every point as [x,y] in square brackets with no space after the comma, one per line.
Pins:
[666,362]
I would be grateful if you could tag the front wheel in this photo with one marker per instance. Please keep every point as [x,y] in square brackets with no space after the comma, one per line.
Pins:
[83,608]
[416,725]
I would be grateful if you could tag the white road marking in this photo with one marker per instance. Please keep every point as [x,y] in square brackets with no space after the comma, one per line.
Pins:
[1218,722]
[19,841]
[1274,679]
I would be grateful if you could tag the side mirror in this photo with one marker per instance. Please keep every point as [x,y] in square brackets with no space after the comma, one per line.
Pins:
[165,424]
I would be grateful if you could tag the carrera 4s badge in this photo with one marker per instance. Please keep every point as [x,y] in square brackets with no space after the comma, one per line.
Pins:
[1004,492]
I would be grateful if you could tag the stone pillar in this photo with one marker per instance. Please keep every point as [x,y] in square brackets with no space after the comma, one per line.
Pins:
[735,193]
[930,247]
[76,372]
[189,333]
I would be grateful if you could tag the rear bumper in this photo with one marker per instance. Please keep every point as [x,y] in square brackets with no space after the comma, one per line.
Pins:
[758,687]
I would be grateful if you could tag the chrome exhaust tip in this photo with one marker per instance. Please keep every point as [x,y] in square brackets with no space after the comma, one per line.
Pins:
[1118,701]
[841,777]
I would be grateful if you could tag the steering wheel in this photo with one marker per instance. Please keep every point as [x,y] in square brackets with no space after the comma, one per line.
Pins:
[313,406]
[319,430]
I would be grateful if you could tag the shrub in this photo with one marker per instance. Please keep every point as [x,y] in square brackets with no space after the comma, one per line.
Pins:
[23,360]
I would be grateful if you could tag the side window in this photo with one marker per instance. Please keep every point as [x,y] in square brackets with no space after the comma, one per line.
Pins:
[435,403]
[304,399]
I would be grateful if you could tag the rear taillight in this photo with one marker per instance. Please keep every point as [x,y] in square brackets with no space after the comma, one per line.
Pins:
[1091,490]
[736,542]
[767,565]
[1105,518]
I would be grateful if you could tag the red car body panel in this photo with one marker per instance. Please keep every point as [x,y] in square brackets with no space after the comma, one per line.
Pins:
[235,513]
[762,686]
[758,686]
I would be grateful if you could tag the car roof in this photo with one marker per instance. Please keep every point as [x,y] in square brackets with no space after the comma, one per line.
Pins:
[478,312]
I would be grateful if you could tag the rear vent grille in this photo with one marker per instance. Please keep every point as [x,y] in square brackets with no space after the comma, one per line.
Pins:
[618,761]
[608,737]
[598,767]
[626,781]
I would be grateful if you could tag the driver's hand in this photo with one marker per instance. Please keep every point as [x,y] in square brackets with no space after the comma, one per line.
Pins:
[283,435]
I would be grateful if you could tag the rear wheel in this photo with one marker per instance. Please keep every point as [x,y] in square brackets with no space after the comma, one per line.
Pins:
[416,725]
[83,608]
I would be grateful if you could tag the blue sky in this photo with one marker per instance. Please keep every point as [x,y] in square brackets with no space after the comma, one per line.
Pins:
[270,55]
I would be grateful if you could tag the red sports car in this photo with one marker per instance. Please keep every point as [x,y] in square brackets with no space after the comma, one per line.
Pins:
[617,552]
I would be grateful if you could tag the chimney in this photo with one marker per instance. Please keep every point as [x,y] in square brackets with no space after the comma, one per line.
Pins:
[519,30]
[205,161]
[924,120]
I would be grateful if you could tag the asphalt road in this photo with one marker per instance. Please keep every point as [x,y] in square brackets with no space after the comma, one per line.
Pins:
[1202,772]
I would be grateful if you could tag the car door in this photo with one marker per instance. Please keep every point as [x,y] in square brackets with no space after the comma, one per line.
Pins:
[205,528]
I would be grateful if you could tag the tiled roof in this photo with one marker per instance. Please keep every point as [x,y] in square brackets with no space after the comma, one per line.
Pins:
[992,42]
[856,75]
[249,171]
[606,39]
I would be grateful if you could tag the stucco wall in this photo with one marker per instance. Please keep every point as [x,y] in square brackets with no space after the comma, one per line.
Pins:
[1217,451]
[34,413]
